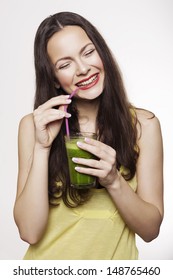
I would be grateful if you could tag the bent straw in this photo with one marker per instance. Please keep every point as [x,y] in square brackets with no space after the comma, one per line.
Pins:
[65,108]
[73,93]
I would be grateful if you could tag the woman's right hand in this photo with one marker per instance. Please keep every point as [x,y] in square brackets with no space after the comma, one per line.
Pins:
[48,120]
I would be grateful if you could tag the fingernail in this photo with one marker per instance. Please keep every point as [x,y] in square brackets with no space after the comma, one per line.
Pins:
[68,101]
[77,168]
[79,144]
[87,140]
[75,159]
[68,115]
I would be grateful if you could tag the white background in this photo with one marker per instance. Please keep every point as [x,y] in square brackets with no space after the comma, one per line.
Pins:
[140,34]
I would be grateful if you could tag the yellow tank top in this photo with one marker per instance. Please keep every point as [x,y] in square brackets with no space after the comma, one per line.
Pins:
[93,231]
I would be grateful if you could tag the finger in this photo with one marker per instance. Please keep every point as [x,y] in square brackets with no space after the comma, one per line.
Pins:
[55,101]
[102,146]
[97,164]
[87,162]
[98,144]
[99,149]
[90,171]
[50,116]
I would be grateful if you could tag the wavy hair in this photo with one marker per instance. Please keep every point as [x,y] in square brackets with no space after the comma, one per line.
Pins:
[115,122]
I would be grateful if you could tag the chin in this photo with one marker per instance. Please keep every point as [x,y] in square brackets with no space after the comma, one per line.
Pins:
[90,94]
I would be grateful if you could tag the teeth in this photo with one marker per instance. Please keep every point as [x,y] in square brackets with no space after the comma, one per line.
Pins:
[88,81]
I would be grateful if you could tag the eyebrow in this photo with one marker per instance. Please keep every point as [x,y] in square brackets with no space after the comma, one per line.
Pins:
[68,57]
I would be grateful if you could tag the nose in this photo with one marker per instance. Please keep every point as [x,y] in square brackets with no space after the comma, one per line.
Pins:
[82,68]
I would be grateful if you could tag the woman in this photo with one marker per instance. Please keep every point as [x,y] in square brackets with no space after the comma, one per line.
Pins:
[61,222]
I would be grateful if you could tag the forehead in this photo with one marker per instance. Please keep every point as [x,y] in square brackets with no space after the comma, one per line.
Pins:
[68,39]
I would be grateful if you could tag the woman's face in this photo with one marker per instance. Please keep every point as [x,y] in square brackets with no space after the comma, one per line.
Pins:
[76,61]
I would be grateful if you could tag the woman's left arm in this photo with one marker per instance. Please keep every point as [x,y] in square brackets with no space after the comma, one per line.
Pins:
[142,211]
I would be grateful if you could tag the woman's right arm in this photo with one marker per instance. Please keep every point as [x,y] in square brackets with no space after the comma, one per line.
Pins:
[31,206]
[36,134]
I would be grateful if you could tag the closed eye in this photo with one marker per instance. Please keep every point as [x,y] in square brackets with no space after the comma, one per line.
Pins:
[64,65]
[88,53]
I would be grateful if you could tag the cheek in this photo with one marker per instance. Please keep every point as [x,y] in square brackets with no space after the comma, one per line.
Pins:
[65,78]
[101,64]
[97,62]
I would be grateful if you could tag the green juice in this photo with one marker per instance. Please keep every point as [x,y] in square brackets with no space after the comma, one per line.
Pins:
[78,180]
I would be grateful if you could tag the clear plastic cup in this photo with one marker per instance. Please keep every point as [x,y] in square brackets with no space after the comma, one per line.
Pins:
[79,180]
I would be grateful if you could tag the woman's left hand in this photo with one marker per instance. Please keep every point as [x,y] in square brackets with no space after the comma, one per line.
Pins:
[104,167]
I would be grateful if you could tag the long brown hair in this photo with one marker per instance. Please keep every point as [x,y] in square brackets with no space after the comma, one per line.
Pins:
[115,122]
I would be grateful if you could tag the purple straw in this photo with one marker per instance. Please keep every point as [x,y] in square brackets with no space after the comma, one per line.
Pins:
[73,93]
[67,127]
[65,108]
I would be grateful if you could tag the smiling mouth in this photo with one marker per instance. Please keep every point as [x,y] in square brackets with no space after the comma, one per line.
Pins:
[88,82]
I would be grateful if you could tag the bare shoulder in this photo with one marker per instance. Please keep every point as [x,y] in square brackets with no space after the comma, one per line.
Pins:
[26,134]
[149,124]
[147,118]
[27,122]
